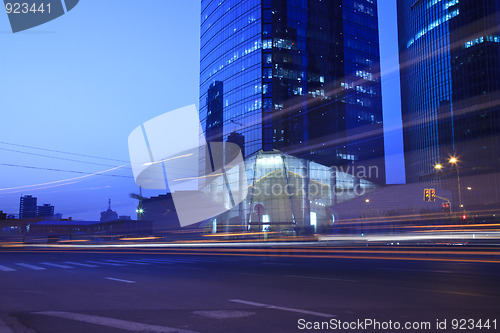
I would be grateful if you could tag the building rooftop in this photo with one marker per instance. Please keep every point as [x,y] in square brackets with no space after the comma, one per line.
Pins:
[69,223]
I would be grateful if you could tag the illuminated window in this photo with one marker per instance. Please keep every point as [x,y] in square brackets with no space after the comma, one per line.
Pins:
[314,220]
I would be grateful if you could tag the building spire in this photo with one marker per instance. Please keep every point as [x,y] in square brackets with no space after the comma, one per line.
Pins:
[109,204]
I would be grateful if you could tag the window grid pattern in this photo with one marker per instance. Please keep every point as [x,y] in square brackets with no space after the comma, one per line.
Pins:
[231,52]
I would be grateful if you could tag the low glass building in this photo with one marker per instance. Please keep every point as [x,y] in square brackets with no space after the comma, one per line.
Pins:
[286,193]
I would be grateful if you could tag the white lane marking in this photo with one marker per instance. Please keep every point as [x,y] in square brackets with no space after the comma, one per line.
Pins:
[36,268]
[120,280]
[4,328]
[6,269]
[127,262]
[224,314]
[104,263]
[321,278]
[112,322]
[55,265]
[268,306]
[79,264]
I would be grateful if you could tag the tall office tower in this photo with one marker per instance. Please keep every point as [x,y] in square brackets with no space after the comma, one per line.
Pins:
[298,76]
[27,207]
[450,87]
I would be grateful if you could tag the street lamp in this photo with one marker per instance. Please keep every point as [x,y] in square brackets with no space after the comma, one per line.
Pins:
[453,160]
[438,166]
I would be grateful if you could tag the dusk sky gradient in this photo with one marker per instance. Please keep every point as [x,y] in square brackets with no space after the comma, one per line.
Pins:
[81,83]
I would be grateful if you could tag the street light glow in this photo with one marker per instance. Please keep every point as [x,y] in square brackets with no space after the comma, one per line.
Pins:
[438,166]
[453,160]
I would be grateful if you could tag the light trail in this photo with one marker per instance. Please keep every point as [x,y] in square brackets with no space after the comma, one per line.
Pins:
[63,180]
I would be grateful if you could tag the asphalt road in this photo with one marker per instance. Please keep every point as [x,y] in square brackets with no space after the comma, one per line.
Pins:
[150,291]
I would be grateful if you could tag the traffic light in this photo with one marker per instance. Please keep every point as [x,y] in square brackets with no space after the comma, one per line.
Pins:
[427,195]
[432,194]
[464,217]
[445,207]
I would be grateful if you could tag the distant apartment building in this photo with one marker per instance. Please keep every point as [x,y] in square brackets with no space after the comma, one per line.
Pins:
[27,207]
[47,210]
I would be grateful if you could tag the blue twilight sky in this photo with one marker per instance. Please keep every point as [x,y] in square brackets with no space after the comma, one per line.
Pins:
[81,83]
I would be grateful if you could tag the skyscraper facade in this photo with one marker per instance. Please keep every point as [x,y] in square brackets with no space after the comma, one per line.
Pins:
[450,84]
[298,76]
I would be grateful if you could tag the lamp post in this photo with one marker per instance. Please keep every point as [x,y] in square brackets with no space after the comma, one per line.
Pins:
[454,161]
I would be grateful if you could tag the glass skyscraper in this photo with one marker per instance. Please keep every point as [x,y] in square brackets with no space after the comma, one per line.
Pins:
[296,84]
[298,76]
[450,85]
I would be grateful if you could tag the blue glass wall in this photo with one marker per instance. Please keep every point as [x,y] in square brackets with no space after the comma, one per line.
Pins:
[425,81]
[299,76]
[450,84]
[362,80]
[231,54]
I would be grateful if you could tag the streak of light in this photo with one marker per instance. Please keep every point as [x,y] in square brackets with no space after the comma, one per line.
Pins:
[332,92]
[455,225]
[44,187]
[241,234]
[365,257]
[199,177]
[138,238]
[167,159]
[73,241]
[64,180]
